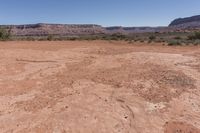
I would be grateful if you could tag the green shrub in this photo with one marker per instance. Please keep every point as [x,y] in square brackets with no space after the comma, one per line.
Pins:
[149,41]
[197,42]
[195,36]
[30,38]
[191,37]
[135,39]
[177,38]
[152,37]
[73,38]
[4,34]
[50,38]
[174,43]
[117,36]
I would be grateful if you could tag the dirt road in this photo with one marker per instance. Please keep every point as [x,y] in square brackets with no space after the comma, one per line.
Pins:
[98,87]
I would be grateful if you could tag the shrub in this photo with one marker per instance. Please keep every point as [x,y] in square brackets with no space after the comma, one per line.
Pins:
[73,38]
[149,41]
[50,37]
[4,34]
[195,36]
[130,41]
[197,42]
[174,43]
[118,36]
[177,38]
[161,39]
[191,37]
[152,37]
[29,38]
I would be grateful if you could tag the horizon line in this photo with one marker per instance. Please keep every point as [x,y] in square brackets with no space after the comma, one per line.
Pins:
[50,23]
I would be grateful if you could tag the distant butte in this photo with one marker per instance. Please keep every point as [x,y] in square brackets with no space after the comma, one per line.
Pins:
[43,29]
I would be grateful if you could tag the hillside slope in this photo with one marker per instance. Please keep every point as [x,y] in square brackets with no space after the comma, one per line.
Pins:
[188,22]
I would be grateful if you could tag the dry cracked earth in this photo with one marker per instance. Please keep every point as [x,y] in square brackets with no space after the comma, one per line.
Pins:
[98,87]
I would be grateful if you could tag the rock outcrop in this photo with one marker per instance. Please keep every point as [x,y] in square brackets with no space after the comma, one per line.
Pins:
[186,23]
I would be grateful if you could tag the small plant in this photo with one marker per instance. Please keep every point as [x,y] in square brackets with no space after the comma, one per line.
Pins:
[73,38]
[130,41]
[197,42]
[149,41]
[196,36]
[135,40]
[177,38]
[29,38]
[152,37]
[174,43]
[162,40]
[50,37]
[4,34]
[191,37]
[118,36]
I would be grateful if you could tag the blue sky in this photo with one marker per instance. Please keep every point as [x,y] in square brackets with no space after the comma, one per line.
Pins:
[102,12]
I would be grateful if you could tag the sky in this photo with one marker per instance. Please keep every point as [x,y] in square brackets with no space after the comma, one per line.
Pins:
[101,12]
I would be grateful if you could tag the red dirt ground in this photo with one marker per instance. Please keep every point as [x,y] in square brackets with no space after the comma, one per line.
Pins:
[99,87]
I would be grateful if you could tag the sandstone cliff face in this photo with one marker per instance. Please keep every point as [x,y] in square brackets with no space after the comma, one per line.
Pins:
[42,29]
[55,29]
[70,29]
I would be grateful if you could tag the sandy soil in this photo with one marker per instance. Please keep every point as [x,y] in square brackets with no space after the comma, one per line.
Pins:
[98,87]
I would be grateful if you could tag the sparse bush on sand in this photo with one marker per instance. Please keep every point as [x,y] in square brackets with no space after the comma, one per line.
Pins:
[4,34]
[174,43]
[177,38]
[50,37]
[29,38]
[195,36]
[152,37]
